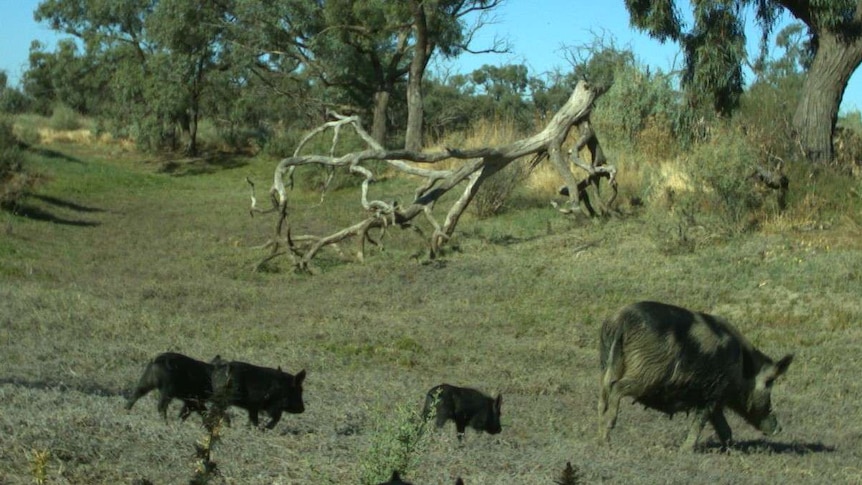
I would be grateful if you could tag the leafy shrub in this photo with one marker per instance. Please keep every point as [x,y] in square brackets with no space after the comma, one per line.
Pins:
[152,135]
[13,101]
[636,98]
[65,118]
[401,435]
[14,181]
[765,116]
[7,136]
[721,171]
[282,143]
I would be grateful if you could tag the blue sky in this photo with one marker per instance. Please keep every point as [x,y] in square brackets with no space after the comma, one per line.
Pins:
[538,31]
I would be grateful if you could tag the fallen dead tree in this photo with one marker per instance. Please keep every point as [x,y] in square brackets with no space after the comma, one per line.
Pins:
[478,165]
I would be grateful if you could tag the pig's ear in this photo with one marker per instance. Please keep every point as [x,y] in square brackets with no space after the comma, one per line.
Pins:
[499,401]
[279,369]
[782,365]
[299,377]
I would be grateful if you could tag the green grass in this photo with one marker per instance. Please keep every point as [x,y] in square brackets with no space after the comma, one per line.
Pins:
[137,261]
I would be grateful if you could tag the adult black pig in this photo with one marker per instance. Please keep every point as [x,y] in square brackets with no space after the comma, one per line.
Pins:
[256,389]
[672,359]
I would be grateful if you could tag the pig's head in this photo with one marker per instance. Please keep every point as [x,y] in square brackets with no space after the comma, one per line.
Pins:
[757,407]
[492,416]
[292,399]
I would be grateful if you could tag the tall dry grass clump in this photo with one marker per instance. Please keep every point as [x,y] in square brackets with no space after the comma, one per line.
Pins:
[497,190]
[39,460]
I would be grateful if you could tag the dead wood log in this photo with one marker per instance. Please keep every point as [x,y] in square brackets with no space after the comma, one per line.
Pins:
[478,165]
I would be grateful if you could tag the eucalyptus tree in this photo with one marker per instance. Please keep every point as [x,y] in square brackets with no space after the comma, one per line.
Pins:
[440,26]
[353,54]
[714,53]
[66,76]
[362,53]
[158,55]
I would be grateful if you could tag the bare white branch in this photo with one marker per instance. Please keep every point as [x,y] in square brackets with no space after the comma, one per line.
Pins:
[478,164]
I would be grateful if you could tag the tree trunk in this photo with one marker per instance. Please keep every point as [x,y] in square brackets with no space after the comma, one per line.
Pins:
[415,109]
[817,109]
[192,147]
[421,53]
[378,124]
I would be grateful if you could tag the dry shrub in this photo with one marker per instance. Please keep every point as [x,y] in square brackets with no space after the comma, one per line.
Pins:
[14,184]
[656,141]
[78,136]
[496,190]
[804,215]
[848,151]
[544,179]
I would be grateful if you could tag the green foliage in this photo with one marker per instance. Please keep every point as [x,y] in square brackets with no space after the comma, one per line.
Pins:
[7,135]
[15,181]
[13,101]
[400,438]
[147,66]
[636,97]
[714,51]
[721,177]
[64,118]
[714,47]
[282,143]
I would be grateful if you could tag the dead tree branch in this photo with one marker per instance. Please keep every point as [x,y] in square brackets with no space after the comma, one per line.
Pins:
[478,165]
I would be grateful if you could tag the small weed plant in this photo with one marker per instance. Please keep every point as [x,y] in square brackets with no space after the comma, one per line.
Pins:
[400,438]
[39,465]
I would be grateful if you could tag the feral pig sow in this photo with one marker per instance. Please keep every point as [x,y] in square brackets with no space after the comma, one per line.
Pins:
[256,389]
[464,406]
[176,376]
[672,359]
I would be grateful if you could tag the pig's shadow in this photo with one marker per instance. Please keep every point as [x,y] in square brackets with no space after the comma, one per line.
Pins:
[759,446]
[90,388]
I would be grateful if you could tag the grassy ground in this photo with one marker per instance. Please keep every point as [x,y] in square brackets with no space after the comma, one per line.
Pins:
[119,259]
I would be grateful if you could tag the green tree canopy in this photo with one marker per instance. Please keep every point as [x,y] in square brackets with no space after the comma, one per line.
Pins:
[714,53]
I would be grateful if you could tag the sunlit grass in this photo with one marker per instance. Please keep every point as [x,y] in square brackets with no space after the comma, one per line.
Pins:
[164,263]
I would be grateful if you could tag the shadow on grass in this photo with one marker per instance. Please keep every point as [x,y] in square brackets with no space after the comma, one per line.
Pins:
[774,447]
[47,153]
[203,165]
[38,214]
[91,389]
[66,204]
